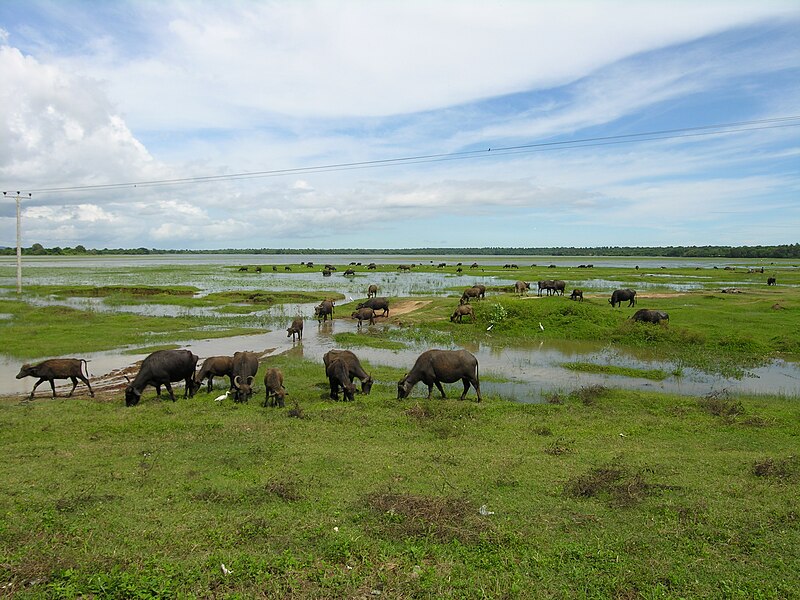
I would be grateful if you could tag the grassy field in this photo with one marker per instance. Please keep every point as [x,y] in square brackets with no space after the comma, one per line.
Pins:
[597,493]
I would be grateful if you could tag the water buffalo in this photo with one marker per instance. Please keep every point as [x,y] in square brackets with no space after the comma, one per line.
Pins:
[482,288]
[324,310]
[372,291]
[339,377]
[363,314]
[436,366]
[772,281]
[245,367]
[404,268]
[645,315]
[275,393]
[552,286]
[326,273]
[619,296]
[296,328]
[57,368]
[214,366]
[376,304]
[576,295]
[462,310]
[162,367]
[349,273]
[354,368]
[474,266]
[470,293]
[372,266]
[522,287]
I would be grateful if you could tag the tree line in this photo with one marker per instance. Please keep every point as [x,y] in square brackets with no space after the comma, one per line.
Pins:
[779,251]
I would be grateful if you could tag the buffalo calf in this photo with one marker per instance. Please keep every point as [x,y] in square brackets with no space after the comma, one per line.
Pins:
[57,368]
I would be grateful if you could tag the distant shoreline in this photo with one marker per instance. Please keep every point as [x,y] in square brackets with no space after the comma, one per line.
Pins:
[780,251]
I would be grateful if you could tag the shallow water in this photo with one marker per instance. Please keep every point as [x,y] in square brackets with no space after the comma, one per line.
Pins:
[529,372]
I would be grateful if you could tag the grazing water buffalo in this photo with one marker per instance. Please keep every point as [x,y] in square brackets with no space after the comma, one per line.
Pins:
[462,310]
[469,293]
[372,291]
[376,304]
[372,266]
[162,367]
[57,368]
[214,366]
[339,377]
[576,295]
[296,328]
[326,273]
[436,366]
[324,310]
[772,281]
[364,314]
[552,286]
[404,268]
[619,296]
[522,287]
[474,266]
[645,315]
[245,367]
[349,273]
[354,368]
[275,393]
[482,288]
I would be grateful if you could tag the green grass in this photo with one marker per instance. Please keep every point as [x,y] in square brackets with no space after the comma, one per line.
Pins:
[585,367]
[607,494]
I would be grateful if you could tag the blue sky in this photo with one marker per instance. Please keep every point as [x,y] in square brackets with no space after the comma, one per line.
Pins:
[98,93]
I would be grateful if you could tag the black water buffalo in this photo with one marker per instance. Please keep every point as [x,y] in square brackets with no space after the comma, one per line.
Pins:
[619,296]
[576,295]
[275,393]
[404,268]
[245,367]
[552,286]
[462,310]
[354,368]
[372,291]
[324,310]
[546,284]
[772,281]
[436,366]
[163,367]
[296,328]
[339,377]
[214,366]
[364,314]
[522,287]
[349,273]
[474,266]
[372,266]
[326,273]
[469,293]
[376,304]
[645,315]
[57,368]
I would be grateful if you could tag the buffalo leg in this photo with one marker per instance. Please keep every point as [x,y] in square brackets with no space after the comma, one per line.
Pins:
[210,383]
[74,385]
[169,389]
[86,381]
[42,380]
[334,388]
[441,389]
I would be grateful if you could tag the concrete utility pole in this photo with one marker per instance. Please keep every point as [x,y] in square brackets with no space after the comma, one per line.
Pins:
[19,242]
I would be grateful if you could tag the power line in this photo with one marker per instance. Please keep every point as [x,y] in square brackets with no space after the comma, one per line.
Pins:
[664,134]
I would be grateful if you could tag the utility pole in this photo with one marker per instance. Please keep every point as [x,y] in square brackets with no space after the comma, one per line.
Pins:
[19,242]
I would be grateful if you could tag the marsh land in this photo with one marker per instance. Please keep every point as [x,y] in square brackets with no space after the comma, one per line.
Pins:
[609,458]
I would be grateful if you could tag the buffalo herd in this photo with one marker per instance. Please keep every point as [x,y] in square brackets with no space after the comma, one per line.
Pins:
[342,367]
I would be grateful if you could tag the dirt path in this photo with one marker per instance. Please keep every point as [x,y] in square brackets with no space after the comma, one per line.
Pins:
[407,306]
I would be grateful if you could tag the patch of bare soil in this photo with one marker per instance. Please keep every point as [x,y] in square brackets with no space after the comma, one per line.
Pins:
[407,306]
